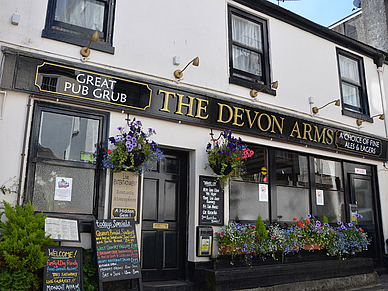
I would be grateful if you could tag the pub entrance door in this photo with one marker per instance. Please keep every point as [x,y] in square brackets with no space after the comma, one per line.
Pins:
[362,196]
[163,239]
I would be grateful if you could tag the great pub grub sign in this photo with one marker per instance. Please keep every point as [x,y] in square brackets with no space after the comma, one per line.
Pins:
[92,86]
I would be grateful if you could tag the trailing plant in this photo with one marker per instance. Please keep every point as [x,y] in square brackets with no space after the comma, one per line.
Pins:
[22,246]
[127,145]
[89,270]
[226,155]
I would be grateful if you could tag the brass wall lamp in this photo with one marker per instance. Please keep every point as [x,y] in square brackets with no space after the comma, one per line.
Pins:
[179,73]
[85,51]
[315,109]
[360,121]
[254,92]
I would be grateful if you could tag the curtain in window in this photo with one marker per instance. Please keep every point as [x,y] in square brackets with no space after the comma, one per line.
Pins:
[350,81]
[84,13]
[249,35]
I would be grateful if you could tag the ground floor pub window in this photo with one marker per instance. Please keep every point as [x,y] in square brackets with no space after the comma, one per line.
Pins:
[292,186]
[329,193]
[63,169]
[249,193]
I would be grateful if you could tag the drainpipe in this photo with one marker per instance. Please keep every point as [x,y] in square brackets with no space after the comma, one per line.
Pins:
[379,61]
[24,154]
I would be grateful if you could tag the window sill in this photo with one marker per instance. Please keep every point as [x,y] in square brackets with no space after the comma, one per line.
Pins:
[77,40]
[252,85]
[356,115]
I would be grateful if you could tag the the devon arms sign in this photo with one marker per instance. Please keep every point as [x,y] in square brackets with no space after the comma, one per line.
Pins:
[196,108]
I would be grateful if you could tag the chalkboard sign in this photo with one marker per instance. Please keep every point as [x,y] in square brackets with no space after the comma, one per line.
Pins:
[211,202]
[116,247]
[63,270]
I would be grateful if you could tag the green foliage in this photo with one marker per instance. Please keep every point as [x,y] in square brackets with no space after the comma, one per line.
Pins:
[89,270]
[20,280]
[260,228]
[23,243]
[325,219]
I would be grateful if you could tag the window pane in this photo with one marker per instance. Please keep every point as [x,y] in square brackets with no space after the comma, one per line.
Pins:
[333,206]
[291,169]
[244,202]
[328,175]
[292,203]
[256,166]
[349,70]
[67,137]
[81,191]
[246,60]
[84,13]
[247,33]
[363,195]
[351,95]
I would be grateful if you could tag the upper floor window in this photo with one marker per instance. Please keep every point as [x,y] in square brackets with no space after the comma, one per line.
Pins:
[353,87]
[74,21]
[248,50]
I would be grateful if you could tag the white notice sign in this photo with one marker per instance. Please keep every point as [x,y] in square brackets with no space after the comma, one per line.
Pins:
[63,187]
[320,200]
[263,195]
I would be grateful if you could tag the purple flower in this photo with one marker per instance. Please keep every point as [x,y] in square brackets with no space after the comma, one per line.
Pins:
[308,215]
[326,224]
[350,224]
[339,223]
[120,128]
[343,227]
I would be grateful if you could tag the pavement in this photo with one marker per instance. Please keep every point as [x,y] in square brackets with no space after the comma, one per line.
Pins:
[379,287]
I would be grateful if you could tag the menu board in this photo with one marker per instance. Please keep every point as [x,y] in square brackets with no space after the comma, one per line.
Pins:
[125,192]
[211,202]
[63,269]
[116,247]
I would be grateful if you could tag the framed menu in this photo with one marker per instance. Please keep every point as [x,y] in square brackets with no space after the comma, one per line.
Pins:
[62,229]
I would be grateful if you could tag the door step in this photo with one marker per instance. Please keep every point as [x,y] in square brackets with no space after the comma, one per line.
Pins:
[168,286]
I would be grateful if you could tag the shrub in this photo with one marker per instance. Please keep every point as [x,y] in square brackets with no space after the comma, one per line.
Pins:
[22,246]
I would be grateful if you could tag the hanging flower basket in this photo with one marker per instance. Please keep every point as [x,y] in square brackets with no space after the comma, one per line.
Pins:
[226,156]
[134,159]
[217,169]
[133,150]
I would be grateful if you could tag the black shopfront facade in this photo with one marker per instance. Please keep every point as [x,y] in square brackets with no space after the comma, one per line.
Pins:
[299,173]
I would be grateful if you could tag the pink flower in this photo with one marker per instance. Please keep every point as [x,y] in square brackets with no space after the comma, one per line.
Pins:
[306,239]
[221,235]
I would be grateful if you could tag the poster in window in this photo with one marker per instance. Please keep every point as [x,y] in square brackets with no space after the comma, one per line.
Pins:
[63,188]
[263,194]
[320,199]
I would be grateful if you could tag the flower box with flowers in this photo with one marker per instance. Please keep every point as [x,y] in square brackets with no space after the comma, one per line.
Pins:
[304,240]
[133,150]
[226,155]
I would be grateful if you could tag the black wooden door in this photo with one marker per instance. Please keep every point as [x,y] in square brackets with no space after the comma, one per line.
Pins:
[163,246]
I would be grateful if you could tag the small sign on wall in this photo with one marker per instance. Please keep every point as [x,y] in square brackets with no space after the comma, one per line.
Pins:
[125,193]
[319,196]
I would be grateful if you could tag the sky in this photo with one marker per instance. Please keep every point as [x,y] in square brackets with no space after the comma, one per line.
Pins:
[323,12]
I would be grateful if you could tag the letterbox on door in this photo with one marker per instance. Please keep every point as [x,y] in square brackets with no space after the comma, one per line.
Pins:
[204,241]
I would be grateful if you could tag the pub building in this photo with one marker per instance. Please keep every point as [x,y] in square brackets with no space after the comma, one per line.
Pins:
[60,106]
